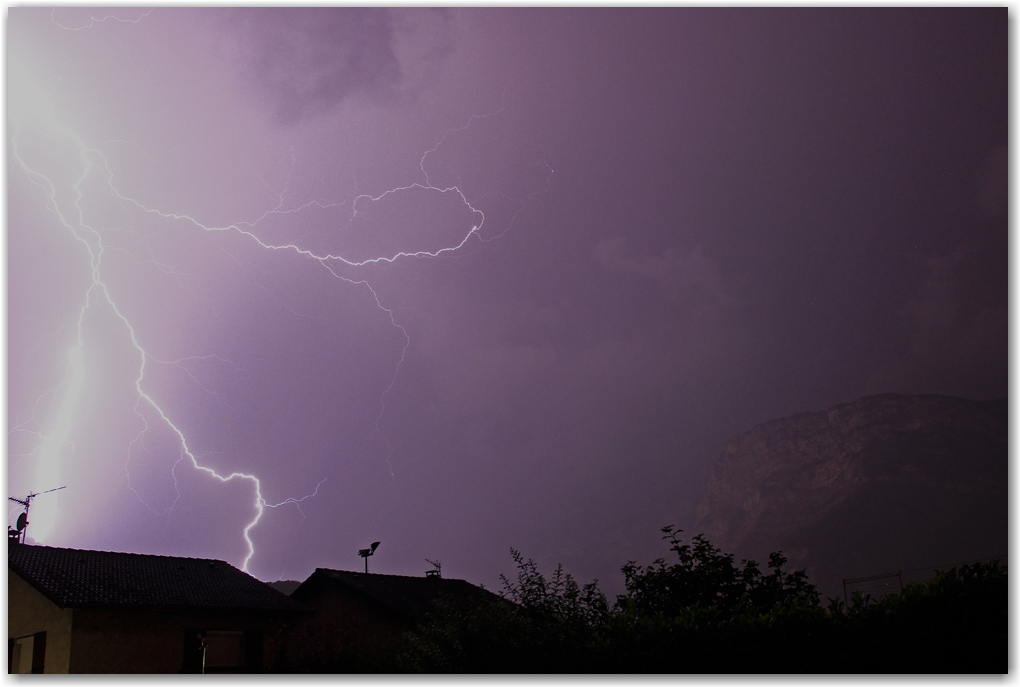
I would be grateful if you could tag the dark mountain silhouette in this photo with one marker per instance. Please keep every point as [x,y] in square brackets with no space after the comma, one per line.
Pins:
[285,586]
[883,483]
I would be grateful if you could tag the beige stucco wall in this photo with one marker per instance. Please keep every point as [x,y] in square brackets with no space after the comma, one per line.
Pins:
[28,612]
[122,640]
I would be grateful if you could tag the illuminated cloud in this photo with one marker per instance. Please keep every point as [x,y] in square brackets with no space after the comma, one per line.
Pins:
[283,282]
[306,61]
[677,274]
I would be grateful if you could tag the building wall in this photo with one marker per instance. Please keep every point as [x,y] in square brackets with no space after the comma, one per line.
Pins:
[153,641]
[345,631]
[108,641]
[29,612]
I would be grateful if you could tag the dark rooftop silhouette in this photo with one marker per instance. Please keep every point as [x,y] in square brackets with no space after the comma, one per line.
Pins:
[76,578]
[411,596]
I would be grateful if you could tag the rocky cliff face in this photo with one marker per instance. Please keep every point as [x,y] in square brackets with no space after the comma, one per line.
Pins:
[883,483]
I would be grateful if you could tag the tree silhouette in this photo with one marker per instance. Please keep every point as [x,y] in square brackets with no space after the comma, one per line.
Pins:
[703,613]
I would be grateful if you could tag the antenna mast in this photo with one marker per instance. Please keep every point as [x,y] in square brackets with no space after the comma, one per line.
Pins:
[17,536]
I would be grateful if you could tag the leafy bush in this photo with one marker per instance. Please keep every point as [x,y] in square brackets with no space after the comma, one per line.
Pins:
[705,577]
[537,626]
[955,623]
[705,614]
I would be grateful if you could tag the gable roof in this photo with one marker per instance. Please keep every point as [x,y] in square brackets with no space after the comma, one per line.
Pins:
[73,578]
[410,596]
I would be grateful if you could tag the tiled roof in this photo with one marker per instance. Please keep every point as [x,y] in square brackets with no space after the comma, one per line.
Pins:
[411,596]
[74,578]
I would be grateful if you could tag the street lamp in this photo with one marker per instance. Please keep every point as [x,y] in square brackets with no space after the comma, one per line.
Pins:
[365,553]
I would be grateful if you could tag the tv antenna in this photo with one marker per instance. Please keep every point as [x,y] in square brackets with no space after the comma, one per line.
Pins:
[18,535]
[437,568]
[365,553]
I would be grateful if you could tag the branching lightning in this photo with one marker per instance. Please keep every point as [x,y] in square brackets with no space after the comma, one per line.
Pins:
[96,20]
[35,110]
[53,440]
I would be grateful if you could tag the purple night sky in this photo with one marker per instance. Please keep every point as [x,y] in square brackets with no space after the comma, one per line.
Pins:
[466,280]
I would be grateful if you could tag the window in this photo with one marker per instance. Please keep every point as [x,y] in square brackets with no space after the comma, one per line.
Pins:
[26,654]
[224,651]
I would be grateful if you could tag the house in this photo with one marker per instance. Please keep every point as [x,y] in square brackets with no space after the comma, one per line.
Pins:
[78,611]
[357,619]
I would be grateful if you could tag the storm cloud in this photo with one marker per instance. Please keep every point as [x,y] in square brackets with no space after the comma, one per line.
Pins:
[287,281]
[305,61]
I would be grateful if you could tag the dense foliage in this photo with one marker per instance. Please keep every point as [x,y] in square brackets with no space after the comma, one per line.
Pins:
[702,613]
[705,578]
[538,626]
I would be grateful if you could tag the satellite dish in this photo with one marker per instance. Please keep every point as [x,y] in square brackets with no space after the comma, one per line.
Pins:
[27,503]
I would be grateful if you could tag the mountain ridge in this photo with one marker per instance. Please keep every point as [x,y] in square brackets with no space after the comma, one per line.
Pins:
[881,483]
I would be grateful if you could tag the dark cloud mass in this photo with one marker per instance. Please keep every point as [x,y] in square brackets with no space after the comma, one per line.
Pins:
[305,61]
[465,280]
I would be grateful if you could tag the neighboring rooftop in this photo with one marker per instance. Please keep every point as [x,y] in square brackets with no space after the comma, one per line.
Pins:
[73,578]
[411,596]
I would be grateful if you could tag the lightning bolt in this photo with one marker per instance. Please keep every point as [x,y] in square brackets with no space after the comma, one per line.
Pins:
[296,502]
[97,20]
[33,108]
[73,220]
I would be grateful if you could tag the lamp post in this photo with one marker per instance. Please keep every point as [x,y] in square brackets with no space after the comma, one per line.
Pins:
[365,553]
